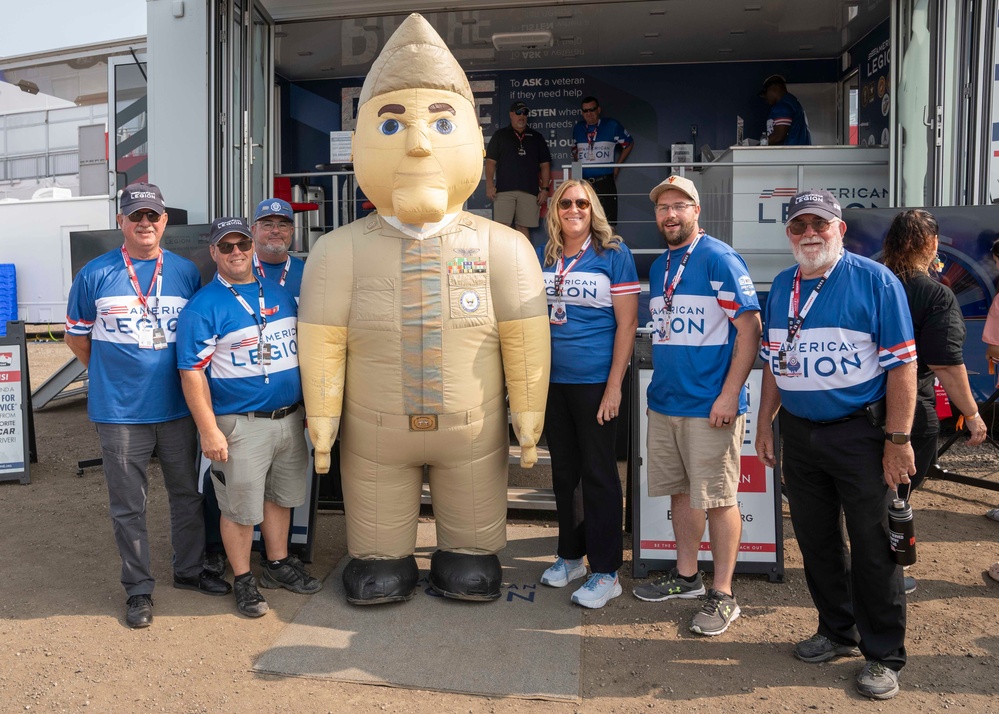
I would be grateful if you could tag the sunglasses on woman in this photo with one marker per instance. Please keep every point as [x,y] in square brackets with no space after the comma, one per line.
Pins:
[566,203]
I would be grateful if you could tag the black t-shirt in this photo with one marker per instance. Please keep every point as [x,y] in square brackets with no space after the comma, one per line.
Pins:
[940,332]
[513,171]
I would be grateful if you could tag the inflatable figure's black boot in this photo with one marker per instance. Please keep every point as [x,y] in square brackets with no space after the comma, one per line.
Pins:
[372,582]
[461,576]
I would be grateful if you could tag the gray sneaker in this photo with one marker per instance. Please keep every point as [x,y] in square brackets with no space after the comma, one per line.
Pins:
[718,612]
[668,586]
[819,648]
[877,681]
[292,575]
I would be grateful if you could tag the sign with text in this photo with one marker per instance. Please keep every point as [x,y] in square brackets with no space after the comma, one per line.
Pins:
[761,549]
[14,405]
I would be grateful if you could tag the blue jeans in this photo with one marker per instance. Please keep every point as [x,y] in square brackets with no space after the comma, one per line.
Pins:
[127,449]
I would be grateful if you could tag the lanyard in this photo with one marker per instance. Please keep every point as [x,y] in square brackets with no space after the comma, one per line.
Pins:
[156,282]
[668,290]
[260,268]
[794,318]
[561,272]
[261,324]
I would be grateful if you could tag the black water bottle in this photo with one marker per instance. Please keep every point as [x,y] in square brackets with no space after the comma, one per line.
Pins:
[902,532]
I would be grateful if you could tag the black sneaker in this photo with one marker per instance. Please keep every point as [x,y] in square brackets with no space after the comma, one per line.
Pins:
[215,564]
[292,575]
[249,601]
[140,611]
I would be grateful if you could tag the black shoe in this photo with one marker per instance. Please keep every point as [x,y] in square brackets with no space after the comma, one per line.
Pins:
[205,582]
[292,575]
[140,611]
[215,564]
[249,601]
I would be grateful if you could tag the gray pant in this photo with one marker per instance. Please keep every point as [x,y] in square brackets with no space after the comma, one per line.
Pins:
[126,450]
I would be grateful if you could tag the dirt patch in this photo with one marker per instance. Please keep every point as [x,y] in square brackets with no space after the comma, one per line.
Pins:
[64,645]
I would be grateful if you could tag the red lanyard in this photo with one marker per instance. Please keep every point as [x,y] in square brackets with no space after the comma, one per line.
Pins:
[794,319]
[561,272]
[668,290]
[260,268]
[157,281]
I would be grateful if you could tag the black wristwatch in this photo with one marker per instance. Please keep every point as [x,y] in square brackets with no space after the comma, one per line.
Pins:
[897,437]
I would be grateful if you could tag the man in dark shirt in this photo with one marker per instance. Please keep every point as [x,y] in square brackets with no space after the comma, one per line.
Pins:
[787,124]
[518,171]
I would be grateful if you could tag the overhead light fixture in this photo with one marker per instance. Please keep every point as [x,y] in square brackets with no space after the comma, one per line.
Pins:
[737,32]
[646,53]
[651,35]
[753,8]
[304,53]
[658,11]
[26,86]
[725,50]
[510,41]
[805,48]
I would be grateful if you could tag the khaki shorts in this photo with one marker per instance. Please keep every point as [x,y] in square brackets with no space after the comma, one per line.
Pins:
[267,461]
[516,208]
[687,455]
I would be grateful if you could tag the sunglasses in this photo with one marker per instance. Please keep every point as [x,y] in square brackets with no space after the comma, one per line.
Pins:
[799,227]
[566,203]
[590,110]
[137,216]
[244,246]
[523,112]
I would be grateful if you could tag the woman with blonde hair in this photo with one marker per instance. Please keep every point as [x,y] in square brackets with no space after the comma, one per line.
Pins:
[592,287]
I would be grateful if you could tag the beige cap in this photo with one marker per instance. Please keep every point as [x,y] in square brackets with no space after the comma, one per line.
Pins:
[679,183]
[415,57]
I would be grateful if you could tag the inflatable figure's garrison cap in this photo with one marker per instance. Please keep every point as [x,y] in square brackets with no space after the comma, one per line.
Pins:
[415,57]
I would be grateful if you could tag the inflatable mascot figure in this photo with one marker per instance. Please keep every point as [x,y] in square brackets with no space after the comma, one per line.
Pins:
[415,324]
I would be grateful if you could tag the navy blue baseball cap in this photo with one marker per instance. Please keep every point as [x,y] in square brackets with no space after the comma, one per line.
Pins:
[221,227]
[274,207]
[820,203]
[137,196]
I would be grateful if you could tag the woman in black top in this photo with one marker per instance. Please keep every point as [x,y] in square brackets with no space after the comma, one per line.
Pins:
[910,250]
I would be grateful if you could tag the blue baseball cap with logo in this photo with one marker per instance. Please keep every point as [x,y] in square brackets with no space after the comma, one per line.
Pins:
[137,196]
[221,227]
[273,207]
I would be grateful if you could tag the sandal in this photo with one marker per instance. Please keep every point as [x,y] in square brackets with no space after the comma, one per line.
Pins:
[992,514]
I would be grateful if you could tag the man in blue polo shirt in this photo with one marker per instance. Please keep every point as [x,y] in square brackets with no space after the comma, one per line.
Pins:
[599,141]
[841,370]
[238,356]
[273,229]
[706,335]
[121,323]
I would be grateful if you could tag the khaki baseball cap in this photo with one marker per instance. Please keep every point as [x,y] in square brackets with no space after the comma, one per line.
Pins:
[678,183]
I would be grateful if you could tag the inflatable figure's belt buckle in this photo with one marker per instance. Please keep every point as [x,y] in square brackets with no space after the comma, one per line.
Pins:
[423,422]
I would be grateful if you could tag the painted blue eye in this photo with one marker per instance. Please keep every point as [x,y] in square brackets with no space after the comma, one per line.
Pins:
[443,126]
[390,127]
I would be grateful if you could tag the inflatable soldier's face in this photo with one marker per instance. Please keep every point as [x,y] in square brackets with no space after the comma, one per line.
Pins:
[418,146]
[418,153]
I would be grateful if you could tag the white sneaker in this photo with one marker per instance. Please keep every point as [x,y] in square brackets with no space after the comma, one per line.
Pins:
[563,572]
[596,591]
